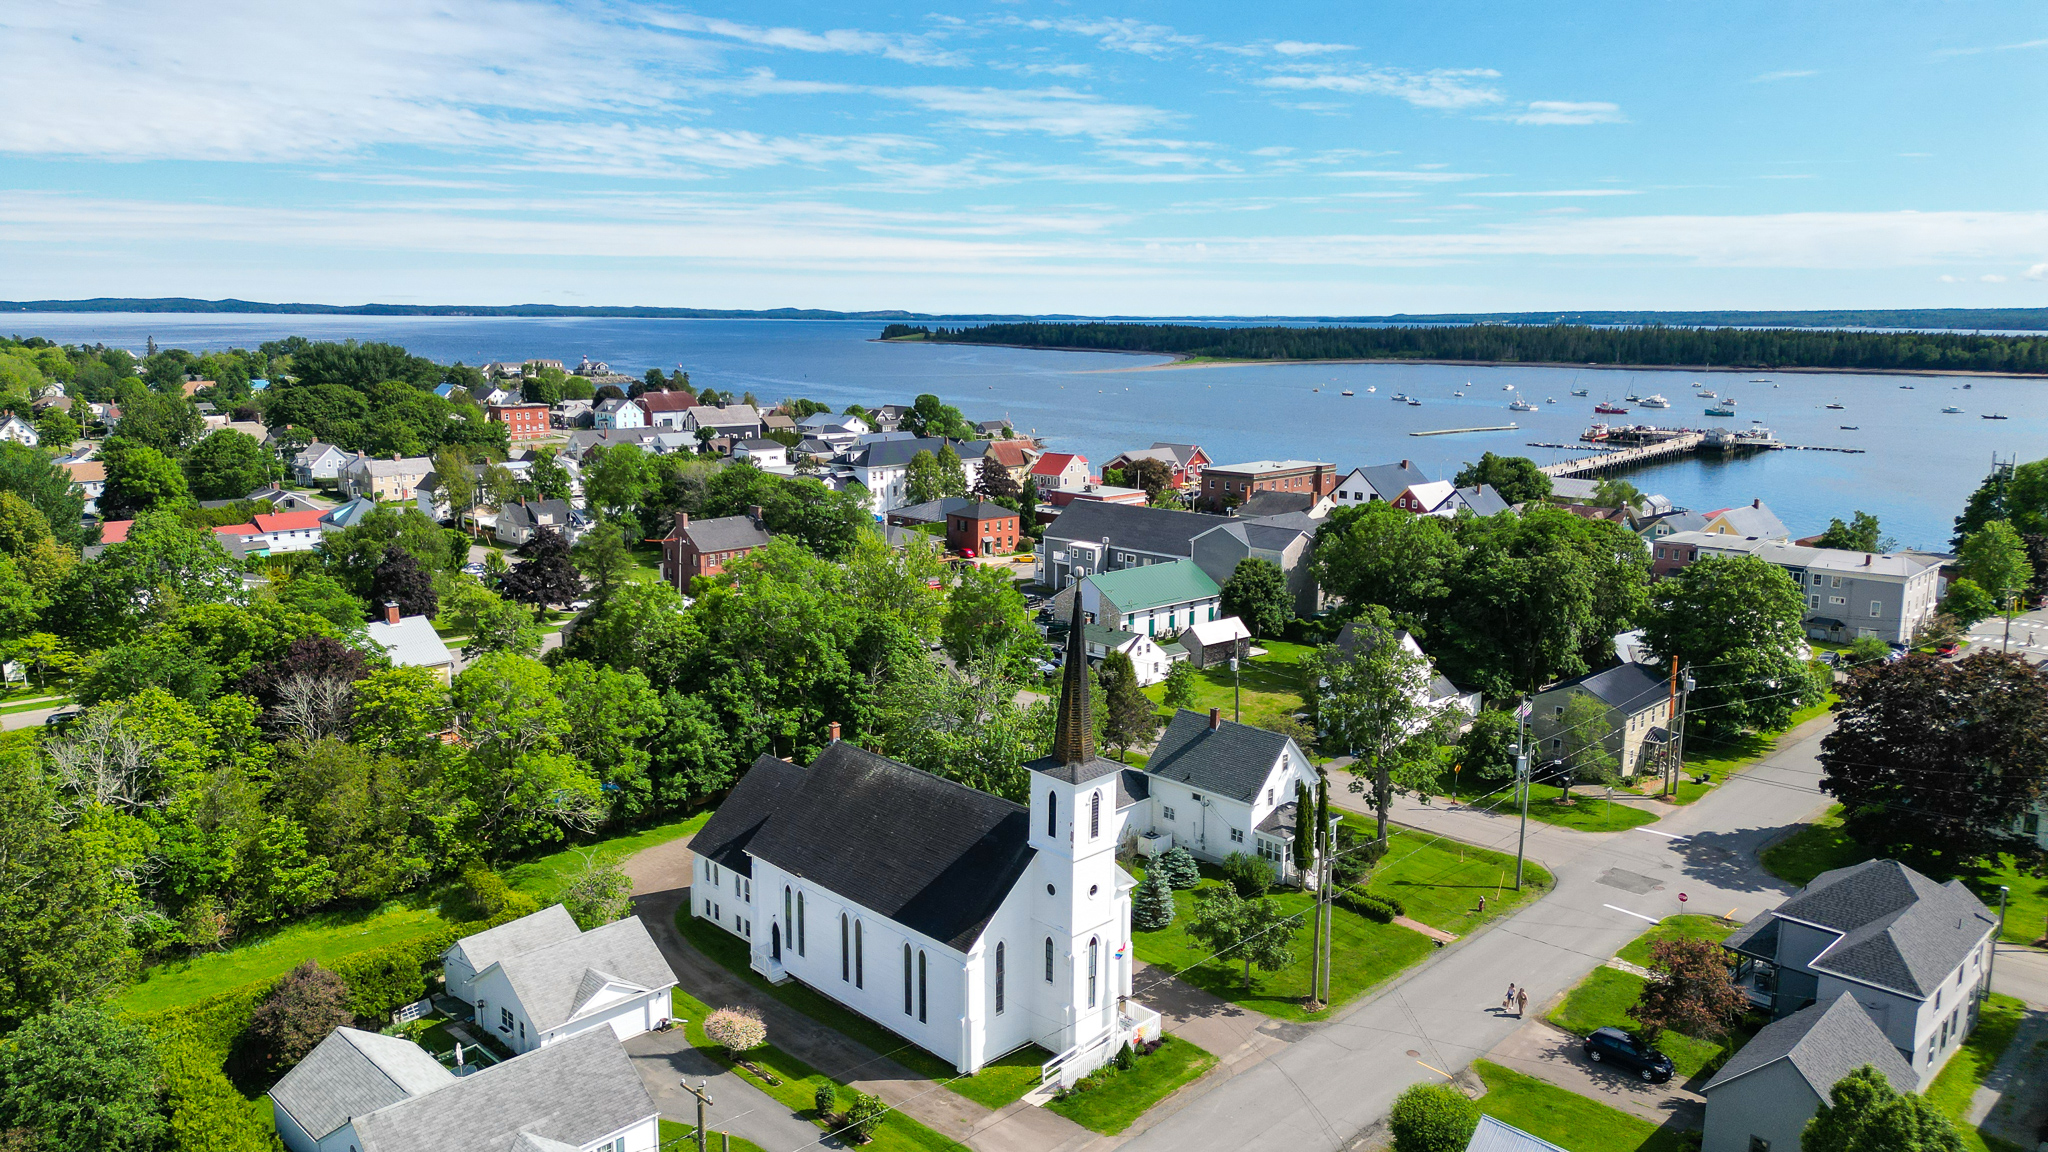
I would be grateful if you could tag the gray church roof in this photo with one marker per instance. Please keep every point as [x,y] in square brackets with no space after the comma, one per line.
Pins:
[1825,1042]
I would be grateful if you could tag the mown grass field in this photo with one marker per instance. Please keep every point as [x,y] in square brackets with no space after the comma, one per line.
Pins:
[1271,684]
[1439,881]
[1568,1119]
[1114,1099]
[1603,999]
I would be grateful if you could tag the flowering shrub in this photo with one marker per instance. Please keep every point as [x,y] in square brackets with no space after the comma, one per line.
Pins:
[736,1029]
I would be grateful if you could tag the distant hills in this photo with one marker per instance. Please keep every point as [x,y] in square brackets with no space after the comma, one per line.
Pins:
[1966,319]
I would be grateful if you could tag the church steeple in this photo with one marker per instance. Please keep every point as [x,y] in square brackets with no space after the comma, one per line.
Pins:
[1073,741]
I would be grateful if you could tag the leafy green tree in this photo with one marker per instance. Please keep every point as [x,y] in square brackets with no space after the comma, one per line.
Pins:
[362,811]
[1256,933]
[995,484]
[921,478]
[602,557]
[599,892]
[492,623]
[516,787]
[965,723]
[1995,559]
[315,593]
[1180,685]
[1740,621]
[305,1005]
[458,484]
[1152,903]
[612,717]
[1129,719]
[615,479]
[544,575]
[61,902]
[1938,759]
[1432,1118]
[1375,704]
[401,712]
[930,416]
[546,386]
[904,585]
[83,1081]
[45,656]
[352,555]
[547,478]
[1518,479]
[1867,649]
[1968,602]
[1691,990]
[1379,554]
[1863,1113]
[952,473]
[164,563]
[1614,492]
[56,428]
[985,613]
[140,479]
[1251,876]
[229,465]
[1486,751]
[1582,731]
[165,422]
[1257,594]
[400,580]
[1862,535]
[33,477]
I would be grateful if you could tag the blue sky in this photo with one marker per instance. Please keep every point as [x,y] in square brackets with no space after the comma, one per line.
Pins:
[1142,158]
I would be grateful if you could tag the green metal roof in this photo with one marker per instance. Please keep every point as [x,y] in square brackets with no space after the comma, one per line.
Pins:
[1153,585]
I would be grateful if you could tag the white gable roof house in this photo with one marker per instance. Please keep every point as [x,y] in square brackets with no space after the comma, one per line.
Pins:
[544,981]
[361,1092]
[411,642]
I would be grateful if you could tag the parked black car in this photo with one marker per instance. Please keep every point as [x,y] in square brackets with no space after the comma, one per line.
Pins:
[1612,1045]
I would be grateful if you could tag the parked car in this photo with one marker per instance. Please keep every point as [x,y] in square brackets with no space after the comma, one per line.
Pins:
[61,719]
[1948,649]
[1624,1050]
[473,569]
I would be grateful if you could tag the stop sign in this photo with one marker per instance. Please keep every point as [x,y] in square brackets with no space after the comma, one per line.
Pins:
[1681,897]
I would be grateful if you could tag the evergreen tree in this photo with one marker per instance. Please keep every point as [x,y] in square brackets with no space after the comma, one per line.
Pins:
[1130,718]
[1180,685]
[1178,866]
[952,473]
[1304,829]
[1152,904]
[1865,1114]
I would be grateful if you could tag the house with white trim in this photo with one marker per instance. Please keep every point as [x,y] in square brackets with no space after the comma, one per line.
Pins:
[540,980]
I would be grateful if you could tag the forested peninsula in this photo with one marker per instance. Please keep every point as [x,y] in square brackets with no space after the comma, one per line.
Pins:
[1579,344]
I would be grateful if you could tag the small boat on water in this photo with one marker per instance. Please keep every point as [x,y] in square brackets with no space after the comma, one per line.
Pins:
[1631,397]
[1951,410]
[1654,400]
[1761,380]
[1398,397]
[1966,387]
[1705,393]
[1415,403]
[1372,388]
[1507,387]
[1837,407]
[1347,392]
[1457,393]
[1849,427]
[1905,387]
[1610,408]
[1994,416]
[1578,391]
[1720,410]
[1521,405]
[1550,399]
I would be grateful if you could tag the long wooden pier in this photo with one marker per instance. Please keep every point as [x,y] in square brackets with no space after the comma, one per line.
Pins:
[1455,431]
[1681,445]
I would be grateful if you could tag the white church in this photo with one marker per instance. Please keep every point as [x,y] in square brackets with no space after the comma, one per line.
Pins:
[968,924]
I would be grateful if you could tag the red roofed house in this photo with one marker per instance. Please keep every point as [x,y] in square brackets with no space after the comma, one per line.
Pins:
[665,409]
[115,531]
[1186,461]
[290,531]
[1061,470]
[1012,456]
[521,421]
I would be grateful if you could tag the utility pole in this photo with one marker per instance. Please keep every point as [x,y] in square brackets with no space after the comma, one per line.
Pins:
[1237,694]
[1522,780]
[1671,712]
[703,1099]
[1685,686]
[1315,955]
[2003,892]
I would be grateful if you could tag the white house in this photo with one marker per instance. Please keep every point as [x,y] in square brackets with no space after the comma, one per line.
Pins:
[411,642]
[617,414]
[1147,657]
[1438,693]
[538,980]
[883,467]
[318,461]
[361,1092]
[18,430]
[967,924]
[764,453]
[290,531]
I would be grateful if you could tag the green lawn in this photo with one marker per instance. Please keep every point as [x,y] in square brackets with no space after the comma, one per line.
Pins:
[994,1086]
[1109,1100]
[1586,813]
[325,938]
[1722,759]
[1271,685]
[1568,1119]
[1676,928]
[1439,881]
[1823,845]
[677,1137]
[1364,954]
[798,1085]
[329,936]
[1966,1070]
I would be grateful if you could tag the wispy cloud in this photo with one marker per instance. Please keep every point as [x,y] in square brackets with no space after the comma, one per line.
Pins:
[1053,111]
[1409,177]
[1566,112]
[2021,46]
[1308,48]
[1118,34]
[1563,192]
[1787,74]
[2038,272]
[1448,89]
[910,49]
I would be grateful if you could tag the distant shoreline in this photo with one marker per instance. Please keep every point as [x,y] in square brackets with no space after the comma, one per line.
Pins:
[1179,361]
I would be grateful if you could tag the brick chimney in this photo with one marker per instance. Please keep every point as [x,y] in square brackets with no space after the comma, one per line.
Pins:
[682,519]
[1404,464]
[755,514]
[391,611]
[832,732]
[1757,503]
[1215,718]
[1866,559]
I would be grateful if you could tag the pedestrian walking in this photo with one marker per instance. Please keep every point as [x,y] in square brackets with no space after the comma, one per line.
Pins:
[1482,905]
[1507,1003]
[1521,1001]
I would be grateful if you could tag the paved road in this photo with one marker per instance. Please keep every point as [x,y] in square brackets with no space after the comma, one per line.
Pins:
[1342,1077]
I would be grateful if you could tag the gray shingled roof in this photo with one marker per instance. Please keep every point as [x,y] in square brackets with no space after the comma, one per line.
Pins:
[725,534]
[1268,533]
[1159,530]
[1629,687]
[1131,787]
[573,1093]
[1901,930]
[931,511]
[530,513]
[550,925]
[1500,1136]
[724,838]
[895,453]
[1825,1042]
[935,856]
[1483,500]
[353,1073]
[1390,480]
[1231,759]
[553,981]
[1276,503]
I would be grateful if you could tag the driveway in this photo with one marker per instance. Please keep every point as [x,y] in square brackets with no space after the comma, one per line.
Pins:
[1547,1052]
[665,1060]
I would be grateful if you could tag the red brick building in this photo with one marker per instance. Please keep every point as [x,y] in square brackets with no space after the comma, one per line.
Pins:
[988,529]
[1224,486]
[521,421]
[705,547]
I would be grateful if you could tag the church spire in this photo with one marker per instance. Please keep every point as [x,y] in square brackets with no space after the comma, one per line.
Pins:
[1073,740]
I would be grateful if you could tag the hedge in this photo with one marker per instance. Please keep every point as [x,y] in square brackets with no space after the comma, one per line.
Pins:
[208,1113]
[1379,908]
